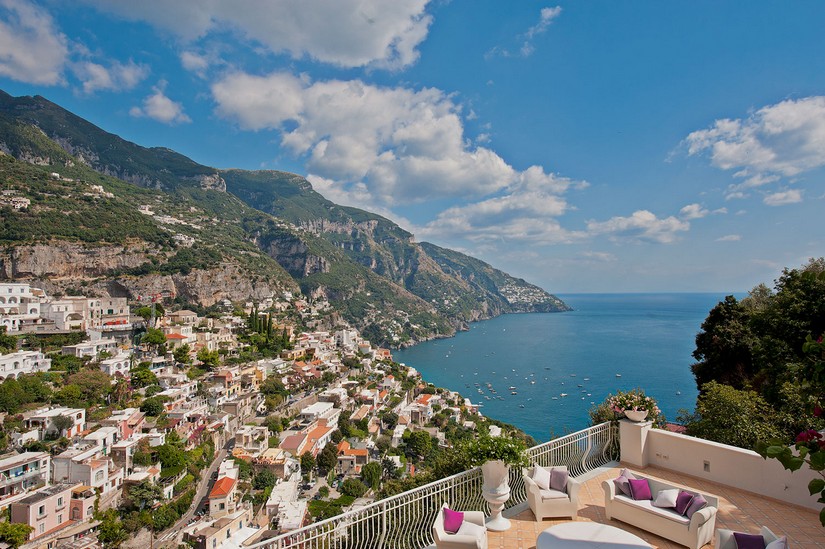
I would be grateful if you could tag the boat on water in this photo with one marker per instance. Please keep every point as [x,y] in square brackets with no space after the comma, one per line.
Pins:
[533,382]
[554,398]
[512,388]
[513,392]
[563,394]
[618,375]
[521,405]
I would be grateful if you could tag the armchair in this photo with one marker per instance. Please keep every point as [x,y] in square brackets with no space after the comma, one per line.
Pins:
[471,535]
[724,538]
[552,503]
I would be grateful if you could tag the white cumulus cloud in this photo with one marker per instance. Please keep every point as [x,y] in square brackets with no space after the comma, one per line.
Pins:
[776,141]
[729,238]
[116,77]
[159,107]
[32,49]
[783,198]
[386,146]
[347,33]
[641,225]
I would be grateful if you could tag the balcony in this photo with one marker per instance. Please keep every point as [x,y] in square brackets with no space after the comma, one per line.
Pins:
[404,521]
[6,480]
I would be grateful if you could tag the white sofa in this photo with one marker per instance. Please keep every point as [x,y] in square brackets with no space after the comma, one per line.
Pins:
[552,503]
[694,532]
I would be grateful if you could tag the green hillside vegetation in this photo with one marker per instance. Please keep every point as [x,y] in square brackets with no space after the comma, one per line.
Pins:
[271,224]
[69,210]
[103,151]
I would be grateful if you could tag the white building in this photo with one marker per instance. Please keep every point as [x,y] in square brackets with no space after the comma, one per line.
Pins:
[20,306]
[91,348]
[44,421]
[117,366]
[321,410]
[23,362]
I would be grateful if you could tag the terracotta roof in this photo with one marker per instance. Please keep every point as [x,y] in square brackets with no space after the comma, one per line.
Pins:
[175,336]
[357,452]
[222,488]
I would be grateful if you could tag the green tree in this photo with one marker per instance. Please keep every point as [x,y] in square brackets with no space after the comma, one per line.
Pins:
[327,459]
[153,337]
[419,444]
[144,494]
[111,533]
[264,479]
[143,377]
[62,423]
[181,354]
[274,424]
[94,385]
[307,462]
[371,474]
[730,416]
[724,346]
[69,395]
[8,344]
[209,358]
[15,533]
[152,406]
[353,487]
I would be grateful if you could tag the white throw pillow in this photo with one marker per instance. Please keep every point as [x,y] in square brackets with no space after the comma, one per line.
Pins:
[778,543]
[666,498]
[541,477]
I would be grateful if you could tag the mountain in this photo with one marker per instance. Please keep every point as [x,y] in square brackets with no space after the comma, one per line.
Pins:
[122,219]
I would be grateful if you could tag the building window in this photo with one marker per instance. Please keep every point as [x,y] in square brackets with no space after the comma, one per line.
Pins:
[59,519]
[41,510]
[60,501]
[221,506]
[99,476]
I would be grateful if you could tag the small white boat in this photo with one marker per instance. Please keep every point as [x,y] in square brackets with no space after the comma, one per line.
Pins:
[563,394]
[618,375]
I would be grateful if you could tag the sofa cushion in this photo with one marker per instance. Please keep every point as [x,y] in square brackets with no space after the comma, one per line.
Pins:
[552,494]
[621,481]
[779,543]
[748,541]
[683,502]
[541,477]
[639,489]
[647,505]
[696,503]
[666,498]
[558,478]
[453,520]
[471,529]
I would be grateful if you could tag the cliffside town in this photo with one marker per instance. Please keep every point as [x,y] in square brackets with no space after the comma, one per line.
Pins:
[244,422]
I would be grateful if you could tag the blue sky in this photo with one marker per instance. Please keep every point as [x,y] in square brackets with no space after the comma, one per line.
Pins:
[585,146]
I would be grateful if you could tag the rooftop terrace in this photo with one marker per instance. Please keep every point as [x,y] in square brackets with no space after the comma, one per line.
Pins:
[752,493]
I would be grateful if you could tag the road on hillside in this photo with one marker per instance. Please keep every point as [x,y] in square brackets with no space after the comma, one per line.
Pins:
[203,488]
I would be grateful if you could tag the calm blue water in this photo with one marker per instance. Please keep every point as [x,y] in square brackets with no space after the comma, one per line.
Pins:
[645,338]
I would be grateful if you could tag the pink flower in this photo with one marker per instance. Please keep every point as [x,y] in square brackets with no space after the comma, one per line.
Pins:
[808,436]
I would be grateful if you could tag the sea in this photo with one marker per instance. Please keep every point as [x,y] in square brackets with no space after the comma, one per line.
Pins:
[542,372]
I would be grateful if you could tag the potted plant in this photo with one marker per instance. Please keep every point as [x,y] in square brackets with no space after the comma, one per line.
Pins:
[495,456]
[635,405]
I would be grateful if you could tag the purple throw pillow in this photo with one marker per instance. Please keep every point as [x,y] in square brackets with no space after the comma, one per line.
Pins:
[621,481]
[622,484]
[558,479]
[639,489]
[683,502]
[748,541]
[453,520]
[697,503]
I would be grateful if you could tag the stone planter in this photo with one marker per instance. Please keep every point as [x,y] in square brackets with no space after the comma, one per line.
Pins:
[496,491]
[635,415]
